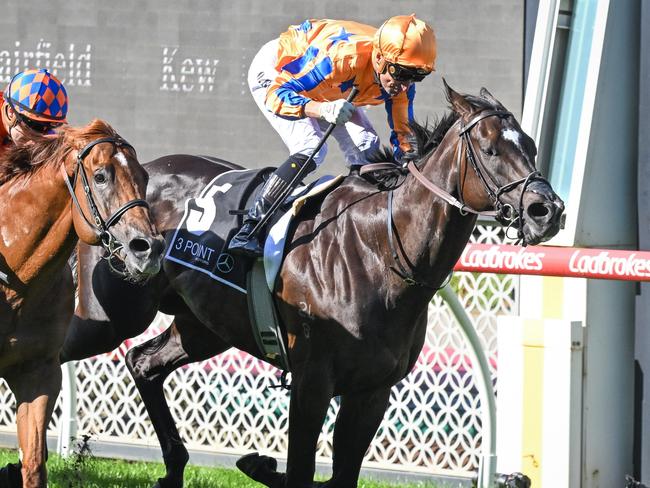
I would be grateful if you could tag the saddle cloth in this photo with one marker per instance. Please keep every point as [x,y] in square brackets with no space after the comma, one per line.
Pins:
[200,242]
[201,238]
[213,217]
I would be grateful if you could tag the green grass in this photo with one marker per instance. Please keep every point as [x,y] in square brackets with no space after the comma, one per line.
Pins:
[92,472]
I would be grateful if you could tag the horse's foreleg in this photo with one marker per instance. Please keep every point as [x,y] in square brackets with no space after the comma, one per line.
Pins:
[36,392]
[88,337]
[184,342]
[311,394]
[109,309]
[356,424]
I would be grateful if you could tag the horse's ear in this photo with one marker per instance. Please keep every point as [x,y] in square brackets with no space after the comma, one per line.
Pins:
[457,101]
[488,96]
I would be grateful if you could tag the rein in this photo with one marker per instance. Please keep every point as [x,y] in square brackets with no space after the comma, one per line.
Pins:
[109,242]
[504,212]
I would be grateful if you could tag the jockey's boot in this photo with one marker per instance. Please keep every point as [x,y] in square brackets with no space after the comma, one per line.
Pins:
[245,244]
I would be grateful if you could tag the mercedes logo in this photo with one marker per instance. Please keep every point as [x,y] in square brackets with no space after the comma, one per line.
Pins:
[225,263]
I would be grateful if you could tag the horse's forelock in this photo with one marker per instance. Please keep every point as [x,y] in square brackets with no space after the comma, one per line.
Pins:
[78,137]
[479,103]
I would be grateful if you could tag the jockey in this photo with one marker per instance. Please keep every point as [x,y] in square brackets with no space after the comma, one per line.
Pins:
[34,102]
[300,82]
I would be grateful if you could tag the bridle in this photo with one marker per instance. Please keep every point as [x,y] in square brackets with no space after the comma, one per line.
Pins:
[109,242]
[503,212]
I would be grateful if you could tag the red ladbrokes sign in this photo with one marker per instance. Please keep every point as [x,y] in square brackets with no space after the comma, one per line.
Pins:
[556,261]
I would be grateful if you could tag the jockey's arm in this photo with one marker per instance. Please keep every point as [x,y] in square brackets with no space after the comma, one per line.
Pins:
[400,112]
[284,100]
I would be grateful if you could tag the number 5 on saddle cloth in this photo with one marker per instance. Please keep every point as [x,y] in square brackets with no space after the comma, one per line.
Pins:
[213,217]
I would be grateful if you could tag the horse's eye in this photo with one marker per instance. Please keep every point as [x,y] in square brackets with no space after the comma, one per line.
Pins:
[489,151]
[100,178]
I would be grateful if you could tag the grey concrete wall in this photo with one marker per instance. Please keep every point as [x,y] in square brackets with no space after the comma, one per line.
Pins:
[642,335]
[170,75]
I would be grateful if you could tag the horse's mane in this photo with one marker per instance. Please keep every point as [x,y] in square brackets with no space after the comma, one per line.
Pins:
[426,137]
[49,149]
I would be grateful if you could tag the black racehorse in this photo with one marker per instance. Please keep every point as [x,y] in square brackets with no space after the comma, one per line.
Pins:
[360,270]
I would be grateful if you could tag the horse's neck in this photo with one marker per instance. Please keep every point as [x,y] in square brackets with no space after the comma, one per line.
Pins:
[37,233]
[433,233]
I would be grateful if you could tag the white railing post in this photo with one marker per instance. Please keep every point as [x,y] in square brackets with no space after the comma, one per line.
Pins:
[68,419]
[487,466]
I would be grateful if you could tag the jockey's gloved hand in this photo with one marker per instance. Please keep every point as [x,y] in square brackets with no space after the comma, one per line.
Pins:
[412,154]
[336,112]
[407,157]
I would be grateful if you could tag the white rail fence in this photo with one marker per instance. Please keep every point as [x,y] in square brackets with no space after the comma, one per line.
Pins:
[225,405]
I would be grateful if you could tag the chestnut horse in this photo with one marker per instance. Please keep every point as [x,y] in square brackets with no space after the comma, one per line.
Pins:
[81,183]
[353,290]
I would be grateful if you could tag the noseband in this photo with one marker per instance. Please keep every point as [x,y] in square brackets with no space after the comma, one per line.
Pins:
[109,242]
[503,212]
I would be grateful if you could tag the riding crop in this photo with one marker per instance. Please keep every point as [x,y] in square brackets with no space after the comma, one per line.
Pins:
[299,175]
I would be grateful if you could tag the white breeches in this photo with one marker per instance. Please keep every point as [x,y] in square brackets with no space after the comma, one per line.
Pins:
[356,138]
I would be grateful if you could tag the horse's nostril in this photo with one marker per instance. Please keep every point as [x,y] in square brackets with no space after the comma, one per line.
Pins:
[139,245]
[538,210]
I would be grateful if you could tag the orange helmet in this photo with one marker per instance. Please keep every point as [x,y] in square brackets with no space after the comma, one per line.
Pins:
[406,41]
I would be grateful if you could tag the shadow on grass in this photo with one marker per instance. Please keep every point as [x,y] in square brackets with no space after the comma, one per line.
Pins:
[107,473]
[64,478]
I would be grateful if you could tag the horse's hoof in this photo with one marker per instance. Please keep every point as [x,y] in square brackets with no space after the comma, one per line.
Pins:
[165,483]
[11,476]
[258,468]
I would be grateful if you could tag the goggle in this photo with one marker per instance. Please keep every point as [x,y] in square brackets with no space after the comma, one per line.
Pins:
[407,74]
[36,125]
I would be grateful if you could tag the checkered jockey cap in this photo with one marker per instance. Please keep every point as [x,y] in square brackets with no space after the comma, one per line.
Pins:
[38,95]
